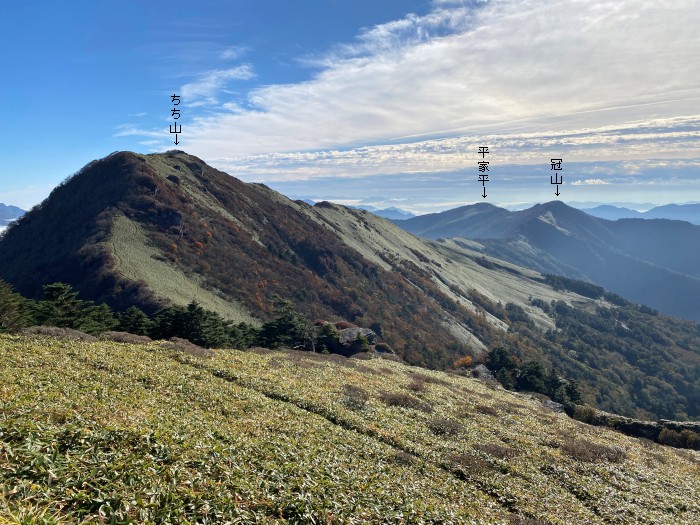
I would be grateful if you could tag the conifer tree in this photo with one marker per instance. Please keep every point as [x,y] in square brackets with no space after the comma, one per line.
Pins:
[135,322]
[13,311]
[60,306]
[288,328]
[97,319]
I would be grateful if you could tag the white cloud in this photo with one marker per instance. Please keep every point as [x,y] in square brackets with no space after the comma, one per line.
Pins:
[508,67]
[233,107]
[628,143]
[589,182]
[205,89]
[129,130]
[231,53]
[614,87]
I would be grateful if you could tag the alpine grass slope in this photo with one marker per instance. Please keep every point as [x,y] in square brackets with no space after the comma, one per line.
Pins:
[115,433]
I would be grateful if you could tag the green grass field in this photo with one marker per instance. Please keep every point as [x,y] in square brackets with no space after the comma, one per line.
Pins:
[115,433]
[138,260]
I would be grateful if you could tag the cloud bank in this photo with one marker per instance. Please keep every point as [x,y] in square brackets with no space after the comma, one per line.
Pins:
[613,85]
[494,67]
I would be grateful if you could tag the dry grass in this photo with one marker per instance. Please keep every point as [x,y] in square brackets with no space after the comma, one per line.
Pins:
[259,350]
[471,465]
[59,333]
[441,426]
[487,410]
[425,378]
[125,337]
[235,438]
[404,458]
[391,357]
[497,451]
[362,356]
[405,401]
[592,452]
[522,520]
[417,386]
[183,345]
[355,397]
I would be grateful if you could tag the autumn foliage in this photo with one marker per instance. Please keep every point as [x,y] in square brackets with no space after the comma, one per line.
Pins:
[463,362]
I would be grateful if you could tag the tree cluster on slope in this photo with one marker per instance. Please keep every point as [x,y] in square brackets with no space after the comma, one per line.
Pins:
[533,377]
[62,307]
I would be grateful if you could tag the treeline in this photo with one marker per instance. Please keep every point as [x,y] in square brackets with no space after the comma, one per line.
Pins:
[533,376]
[586,289]
[62,307]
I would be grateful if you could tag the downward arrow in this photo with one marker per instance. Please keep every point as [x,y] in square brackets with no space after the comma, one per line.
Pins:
[484,192]
[557,192]
[176,142]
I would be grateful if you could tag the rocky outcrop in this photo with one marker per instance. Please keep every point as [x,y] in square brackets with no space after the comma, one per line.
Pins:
[680,426]
[354,340]
[347,339]
[481,372]
[553,406]
[350,335]
[633,427]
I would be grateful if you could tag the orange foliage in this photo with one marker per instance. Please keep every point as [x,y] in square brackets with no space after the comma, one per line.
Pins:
[463,362]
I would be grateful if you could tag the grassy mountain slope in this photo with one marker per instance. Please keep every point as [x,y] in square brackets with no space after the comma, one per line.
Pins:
[667,243]
[455,269]
[107,432]
[139,261]
[612,212]
[483,220]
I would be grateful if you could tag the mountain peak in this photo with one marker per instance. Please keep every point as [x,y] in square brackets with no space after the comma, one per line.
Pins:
[556,206]
[9,213]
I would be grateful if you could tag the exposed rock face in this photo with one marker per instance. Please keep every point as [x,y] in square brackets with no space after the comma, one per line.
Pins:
[679,426]
[481,372]
[354,340]
[553,406]
[640,428]
[350,335]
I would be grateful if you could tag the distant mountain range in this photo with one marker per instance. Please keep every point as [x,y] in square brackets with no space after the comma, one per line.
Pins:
[391,213]
[9,214]
[652,262]
[679,212]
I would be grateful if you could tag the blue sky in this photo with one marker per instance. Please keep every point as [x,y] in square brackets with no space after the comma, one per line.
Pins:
[379,102]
